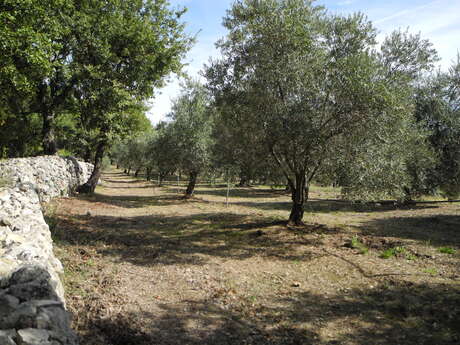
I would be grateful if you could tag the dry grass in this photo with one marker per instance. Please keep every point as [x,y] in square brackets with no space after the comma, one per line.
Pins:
[145,267]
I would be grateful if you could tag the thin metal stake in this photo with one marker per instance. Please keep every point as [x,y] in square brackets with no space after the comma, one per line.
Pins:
[178,190]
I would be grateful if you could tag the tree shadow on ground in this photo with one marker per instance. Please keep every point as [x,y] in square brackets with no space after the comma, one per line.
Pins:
[313,205]
[328,206]
[243,192]
[137,201]
[121,181]
[438,229]
[163,240]
[146,185]
[191,239]
[388,313]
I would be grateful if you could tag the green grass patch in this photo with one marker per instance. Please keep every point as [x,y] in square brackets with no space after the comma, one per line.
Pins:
[392,252]
[410,257]
[446,250]
[358,245]
[433,271]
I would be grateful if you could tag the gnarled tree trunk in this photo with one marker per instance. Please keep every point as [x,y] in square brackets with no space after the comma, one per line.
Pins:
[191,184]
[90,185]
[299,197]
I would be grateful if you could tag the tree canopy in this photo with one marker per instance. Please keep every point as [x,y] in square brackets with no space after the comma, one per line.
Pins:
[312,82]
[192,127]
[94,62]
[297,96]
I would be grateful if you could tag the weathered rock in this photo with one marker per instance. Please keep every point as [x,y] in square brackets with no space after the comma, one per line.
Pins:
[32,336]
[23,317]
[7,266]
[7,304]
[32,306]
[5,222]
[7,337]
[34,290]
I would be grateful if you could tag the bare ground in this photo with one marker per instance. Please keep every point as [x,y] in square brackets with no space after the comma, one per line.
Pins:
[143,266]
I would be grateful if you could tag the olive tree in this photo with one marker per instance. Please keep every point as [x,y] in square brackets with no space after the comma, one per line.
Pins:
[394,159]
[311,81]
[236,143]
[438,110]
[162,153]
[192,127]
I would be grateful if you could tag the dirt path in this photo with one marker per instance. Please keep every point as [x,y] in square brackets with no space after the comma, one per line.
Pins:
[145,267]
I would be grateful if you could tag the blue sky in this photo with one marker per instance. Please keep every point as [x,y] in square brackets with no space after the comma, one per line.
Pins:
[436,20]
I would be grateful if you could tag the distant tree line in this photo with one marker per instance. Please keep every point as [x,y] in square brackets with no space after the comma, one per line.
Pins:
[300,96]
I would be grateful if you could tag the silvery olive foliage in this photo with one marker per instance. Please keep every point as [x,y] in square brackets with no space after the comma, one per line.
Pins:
[191,125]
[438,111]
[320,91]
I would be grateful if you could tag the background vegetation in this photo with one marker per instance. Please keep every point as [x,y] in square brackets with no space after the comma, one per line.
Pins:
[298,96]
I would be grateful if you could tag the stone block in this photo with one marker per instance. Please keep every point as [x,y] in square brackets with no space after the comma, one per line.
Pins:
[7,337]
[33,336]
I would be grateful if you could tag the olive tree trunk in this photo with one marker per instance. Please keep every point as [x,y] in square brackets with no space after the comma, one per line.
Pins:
[191,184]
[90,185]
[244,181]
[161,178]
[298,182]
[245,177]
[299,196]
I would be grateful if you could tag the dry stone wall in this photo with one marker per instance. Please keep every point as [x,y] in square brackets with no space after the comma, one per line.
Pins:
[32,305]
